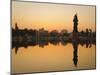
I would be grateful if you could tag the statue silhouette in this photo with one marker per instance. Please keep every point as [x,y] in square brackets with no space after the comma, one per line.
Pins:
[16,27]
[75,20]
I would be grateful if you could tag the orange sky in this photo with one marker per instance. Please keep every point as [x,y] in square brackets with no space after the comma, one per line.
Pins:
[52,16]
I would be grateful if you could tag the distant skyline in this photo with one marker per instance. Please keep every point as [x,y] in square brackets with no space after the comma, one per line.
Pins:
[49,16]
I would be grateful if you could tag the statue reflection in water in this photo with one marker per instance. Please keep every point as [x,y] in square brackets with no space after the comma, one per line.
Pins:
[16,49]
[75,52]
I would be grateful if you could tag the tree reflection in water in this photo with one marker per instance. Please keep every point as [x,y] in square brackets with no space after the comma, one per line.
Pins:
[55,42]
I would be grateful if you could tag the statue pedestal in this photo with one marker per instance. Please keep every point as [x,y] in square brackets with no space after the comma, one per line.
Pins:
[75,36]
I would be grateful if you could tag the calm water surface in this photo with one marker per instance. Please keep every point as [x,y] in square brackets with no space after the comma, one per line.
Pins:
[52,58]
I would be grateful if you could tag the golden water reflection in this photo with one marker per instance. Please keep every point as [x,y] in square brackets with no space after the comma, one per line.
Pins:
[52,58]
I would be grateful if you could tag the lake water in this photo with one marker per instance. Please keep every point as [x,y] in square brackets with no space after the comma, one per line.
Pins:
[53,58]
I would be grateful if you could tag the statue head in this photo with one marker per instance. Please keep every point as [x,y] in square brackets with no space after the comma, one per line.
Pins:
[75,18]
